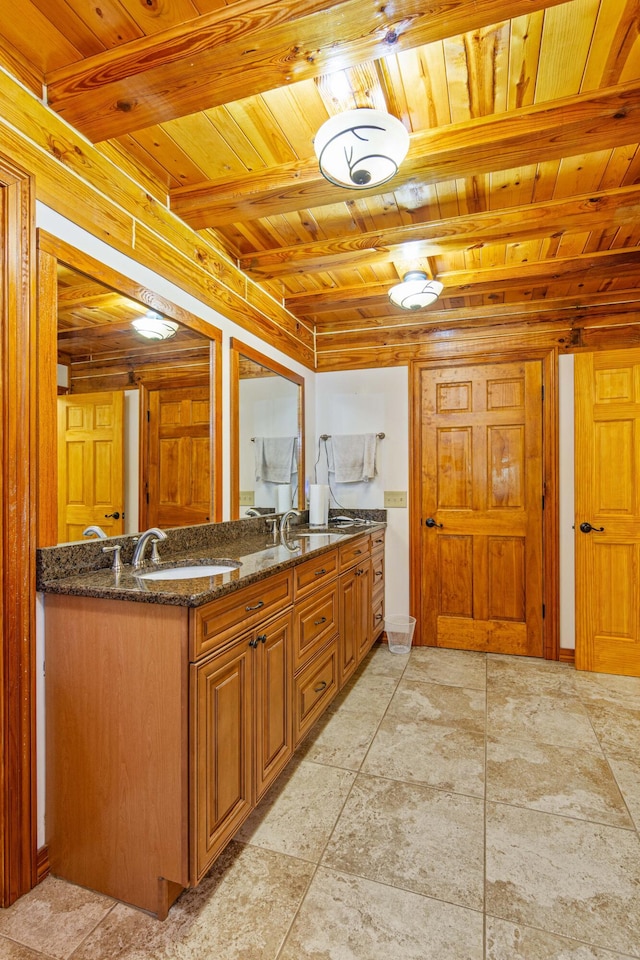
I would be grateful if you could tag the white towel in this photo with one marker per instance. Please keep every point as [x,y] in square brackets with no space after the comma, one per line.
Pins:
[275,458]
[352,457]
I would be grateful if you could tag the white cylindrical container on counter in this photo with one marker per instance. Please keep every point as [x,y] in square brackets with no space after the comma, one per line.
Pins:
[318,505]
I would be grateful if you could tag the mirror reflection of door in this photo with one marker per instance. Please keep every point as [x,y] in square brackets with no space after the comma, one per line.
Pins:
[101,355]
[178,444]
[90,464]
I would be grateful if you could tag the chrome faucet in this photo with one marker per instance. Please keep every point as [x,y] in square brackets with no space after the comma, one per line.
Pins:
[284,522]
[252,512]
[94,528]
[138,554]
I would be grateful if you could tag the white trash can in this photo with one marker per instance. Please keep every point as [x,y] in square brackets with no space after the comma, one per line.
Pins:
[399,630]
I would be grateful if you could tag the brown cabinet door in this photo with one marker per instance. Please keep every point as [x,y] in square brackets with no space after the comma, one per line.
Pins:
[222,724]
[480,463]
[607,454]
[348,641]
[363,578]
[273,727]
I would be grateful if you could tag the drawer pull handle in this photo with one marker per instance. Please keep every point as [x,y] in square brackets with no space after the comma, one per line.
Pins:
[378,616]
[320,572]
[378,573]
[379,541]
[317,623]
[262,638]
[257,606]
[356,552]
[321,686]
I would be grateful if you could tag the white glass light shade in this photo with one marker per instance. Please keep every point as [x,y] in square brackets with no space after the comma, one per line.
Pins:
[154,327]
[415,291]
[361,148]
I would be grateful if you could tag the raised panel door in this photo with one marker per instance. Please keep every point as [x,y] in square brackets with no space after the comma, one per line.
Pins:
[273,722]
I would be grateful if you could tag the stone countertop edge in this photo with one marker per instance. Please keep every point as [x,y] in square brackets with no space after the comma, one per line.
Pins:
[82,569]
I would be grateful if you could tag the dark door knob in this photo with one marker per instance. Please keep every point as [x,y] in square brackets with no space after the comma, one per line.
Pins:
[587,528]
[115,515]
[430,522]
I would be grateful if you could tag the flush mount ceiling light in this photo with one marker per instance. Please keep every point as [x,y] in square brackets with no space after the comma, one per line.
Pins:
[415,292]
[154,327]
[361,148]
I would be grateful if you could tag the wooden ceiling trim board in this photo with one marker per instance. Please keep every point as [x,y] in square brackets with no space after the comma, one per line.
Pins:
[598,210]
[288,41]
[21,68]
[574,125]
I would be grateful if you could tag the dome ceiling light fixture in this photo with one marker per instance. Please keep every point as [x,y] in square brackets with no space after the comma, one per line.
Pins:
[416,291]
[361,148]
[153,326]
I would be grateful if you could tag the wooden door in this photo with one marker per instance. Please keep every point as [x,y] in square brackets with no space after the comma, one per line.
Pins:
[274,730]
[607,455]
[90,463]
[178,457]
[480,456]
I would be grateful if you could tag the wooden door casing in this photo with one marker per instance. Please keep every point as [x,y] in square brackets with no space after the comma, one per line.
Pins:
[90,463]
[607,454]
[481,483]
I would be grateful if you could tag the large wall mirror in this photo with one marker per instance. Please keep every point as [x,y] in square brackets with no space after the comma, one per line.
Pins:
[267,434]
[127,431]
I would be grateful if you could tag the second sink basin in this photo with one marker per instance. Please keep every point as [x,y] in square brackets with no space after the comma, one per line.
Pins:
[189,571]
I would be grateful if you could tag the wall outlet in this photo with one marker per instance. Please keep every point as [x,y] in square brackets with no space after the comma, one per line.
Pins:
[395,498]
[246,498]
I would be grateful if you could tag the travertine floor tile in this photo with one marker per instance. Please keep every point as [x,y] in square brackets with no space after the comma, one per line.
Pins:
[55,917]
[367,693]
[436,754]
[626,770]
[461,668]
[530,677]
[510,941]
[560,780]
[10,950]
[568,877]
[298,814]
[617,726]
[341,738]
[350,918]
[427,702]
[380,662]
[241,911]
[605,686]
[411,836]
[564,722]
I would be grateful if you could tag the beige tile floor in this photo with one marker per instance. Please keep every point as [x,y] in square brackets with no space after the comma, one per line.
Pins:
[450,806]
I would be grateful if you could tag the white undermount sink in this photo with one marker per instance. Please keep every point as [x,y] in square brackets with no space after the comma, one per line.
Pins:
[188,572]
[312,535]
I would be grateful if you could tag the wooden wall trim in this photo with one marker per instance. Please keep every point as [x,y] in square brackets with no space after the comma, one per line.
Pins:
[17,536]
[566,655]
[82,183]
[549,359]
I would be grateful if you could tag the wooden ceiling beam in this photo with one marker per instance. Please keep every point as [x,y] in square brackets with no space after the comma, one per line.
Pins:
[597,120]
[247,48]
[600,210]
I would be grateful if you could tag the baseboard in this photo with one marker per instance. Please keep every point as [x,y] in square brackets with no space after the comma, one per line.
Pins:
[42,863]
[566,655]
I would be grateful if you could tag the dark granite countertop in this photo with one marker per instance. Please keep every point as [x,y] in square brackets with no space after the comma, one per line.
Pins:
[84,570]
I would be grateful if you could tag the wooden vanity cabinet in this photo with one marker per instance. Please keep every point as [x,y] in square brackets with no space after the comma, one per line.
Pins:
[356,633]
[377,585]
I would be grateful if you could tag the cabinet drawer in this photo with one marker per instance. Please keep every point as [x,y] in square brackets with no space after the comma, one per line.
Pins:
[219,621]
[377,542]
[313,573]
[377,613]
[352,553]
[316,686]
[316,619]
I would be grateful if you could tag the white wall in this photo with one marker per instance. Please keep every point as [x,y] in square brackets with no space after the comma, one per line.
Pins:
[372,401]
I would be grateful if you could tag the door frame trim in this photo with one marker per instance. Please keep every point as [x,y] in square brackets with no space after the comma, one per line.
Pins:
[550,533]
[18,346]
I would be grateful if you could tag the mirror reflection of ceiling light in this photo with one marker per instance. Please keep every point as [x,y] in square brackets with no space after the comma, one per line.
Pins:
[154,327]
[361,148]
[416,291]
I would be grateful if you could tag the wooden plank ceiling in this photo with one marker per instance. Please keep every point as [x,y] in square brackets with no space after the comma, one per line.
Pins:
[520,192]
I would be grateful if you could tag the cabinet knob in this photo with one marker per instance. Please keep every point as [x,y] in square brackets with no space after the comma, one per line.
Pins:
[262,638]
[253,642]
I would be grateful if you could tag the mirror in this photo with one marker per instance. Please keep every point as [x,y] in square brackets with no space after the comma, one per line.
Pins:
[134,436]
[267,434]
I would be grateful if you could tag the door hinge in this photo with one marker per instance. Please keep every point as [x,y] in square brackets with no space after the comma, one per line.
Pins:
[148,416]
[543,501]
[542,392]
[544,611]
[147,496]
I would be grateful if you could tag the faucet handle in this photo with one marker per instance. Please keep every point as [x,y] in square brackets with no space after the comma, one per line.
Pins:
[115,549]
[155,556]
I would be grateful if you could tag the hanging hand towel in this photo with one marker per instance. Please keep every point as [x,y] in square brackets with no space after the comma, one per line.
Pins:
[275,458]
[352,457]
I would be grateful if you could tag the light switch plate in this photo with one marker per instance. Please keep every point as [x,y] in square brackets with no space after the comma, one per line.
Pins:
[246,498]
[395,498]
